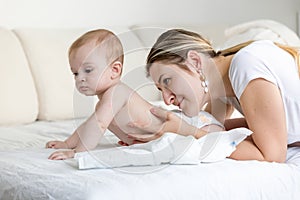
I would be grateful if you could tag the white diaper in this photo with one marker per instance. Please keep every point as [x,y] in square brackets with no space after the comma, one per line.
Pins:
[201,120]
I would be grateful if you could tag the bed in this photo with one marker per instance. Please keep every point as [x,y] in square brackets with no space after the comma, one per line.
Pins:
[26,173]
[51,109]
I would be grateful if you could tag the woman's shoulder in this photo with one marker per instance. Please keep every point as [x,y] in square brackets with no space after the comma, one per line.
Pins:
[252,53]
[256,47]
[249,63]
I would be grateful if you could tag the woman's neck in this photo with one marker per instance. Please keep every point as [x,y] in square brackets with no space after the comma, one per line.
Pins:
[223,64]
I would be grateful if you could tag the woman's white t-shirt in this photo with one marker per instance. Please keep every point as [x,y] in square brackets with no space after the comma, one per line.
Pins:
[263,59]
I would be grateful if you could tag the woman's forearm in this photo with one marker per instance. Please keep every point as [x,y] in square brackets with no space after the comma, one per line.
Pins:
[186,130]
[247,150]
[235,123]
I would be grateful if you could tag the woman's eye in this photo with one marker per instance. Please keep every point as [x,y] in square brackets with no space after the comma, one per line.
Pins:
[166,81]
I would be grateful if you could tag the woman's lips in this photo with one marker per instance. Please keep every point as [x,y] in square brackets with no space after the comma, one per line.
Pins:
[179,103]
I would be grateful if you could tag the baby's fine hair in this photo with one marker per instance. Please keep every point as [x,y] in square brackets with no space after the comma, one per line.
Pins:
[105,38]
[173,46]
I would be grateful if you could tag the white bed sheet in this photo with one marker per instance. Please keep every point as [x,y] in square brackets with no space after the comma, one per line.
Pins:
[26,173]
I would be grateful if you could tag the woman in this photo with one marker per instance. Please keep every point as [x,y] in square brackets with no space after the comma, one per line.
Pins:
[260,80]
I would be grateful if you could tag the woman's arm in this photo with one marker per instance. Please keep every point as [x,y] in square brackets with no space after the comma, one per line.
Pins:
[235,123]
[264,111]
[172,123]
[222,111]
[219,109]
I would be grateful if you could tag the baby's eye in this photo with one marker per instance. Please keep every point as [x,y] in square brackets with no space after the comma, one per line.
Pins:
[75,74]
[88,70]
[167,81]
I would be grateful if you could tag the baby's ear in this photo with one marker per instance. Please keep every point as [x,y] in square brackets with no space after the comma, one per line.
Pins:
[116,69]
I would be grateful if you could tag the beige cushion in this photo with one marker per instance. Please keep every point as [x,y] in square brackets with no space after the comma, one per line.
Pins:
[134,73]
[18,102]
[46,50]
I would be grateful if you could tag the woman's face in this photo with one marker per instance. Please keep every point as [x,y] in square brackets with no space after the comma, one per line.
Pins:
[178,87]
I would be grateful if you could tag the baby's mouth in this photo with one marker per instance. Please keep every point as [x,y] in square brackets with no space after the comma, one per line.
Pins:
[83,88]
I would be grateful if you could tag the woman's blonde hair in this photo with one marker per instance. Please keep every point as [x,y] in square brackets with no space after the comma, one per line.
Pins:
[112,44]
[173,46]
[291,50]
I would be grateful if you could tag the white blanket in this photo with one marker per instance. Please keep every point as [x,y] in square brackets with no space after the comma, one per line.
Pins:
[170,148]
[26,173]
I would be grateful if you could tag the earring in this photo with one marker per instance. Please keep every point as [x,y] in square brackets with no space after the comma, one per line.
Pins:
[204,82]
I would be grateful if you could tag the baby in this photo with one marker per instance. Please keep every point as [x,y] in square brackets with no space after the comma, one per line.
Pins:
[96,60]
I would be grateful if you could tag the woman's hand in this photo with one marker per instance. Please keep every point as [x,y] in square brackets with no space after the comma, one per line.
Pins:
[171,123]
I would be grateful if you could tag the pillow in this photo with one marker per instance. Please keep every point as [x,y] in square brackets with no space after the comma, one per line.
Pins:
[260,30]
[169,149]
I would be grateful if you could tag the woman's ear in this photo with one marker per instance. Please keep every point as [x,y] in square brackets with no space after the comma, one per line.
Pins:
[194,61]
[116,69]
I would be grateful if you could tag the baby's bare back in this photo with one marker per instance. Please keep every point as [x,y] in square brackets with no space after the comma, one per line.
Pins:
[135,109]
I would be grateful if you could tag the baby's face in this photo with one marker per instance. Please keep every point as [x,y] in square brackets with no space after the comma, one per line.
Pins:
[89,66]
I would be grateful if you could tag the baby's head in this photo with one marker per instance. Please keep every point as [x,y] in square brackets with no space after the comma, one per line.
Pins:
[96,60]
[100,38]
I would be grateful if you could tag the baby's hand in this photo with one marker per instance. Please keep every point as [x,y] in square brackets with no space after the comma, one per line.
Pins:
[123,143]
[57,145]
[62,155]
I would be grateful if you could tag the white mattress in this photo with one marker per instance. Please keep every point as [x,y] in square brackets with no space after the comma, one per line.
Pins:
[26,173]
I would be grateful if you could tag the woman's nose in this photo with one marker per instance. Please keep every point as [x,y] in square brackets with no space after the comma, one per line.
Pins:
[169,97]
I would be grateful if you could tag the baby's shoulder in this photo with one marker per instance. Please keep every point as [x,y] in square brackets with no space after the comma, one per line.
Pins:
[122,90]
[116,97]
[119,93]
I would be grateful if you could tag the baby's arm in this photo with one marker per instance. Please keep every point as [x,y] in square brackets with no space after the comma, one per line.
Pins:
[87,136]
[69,143]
